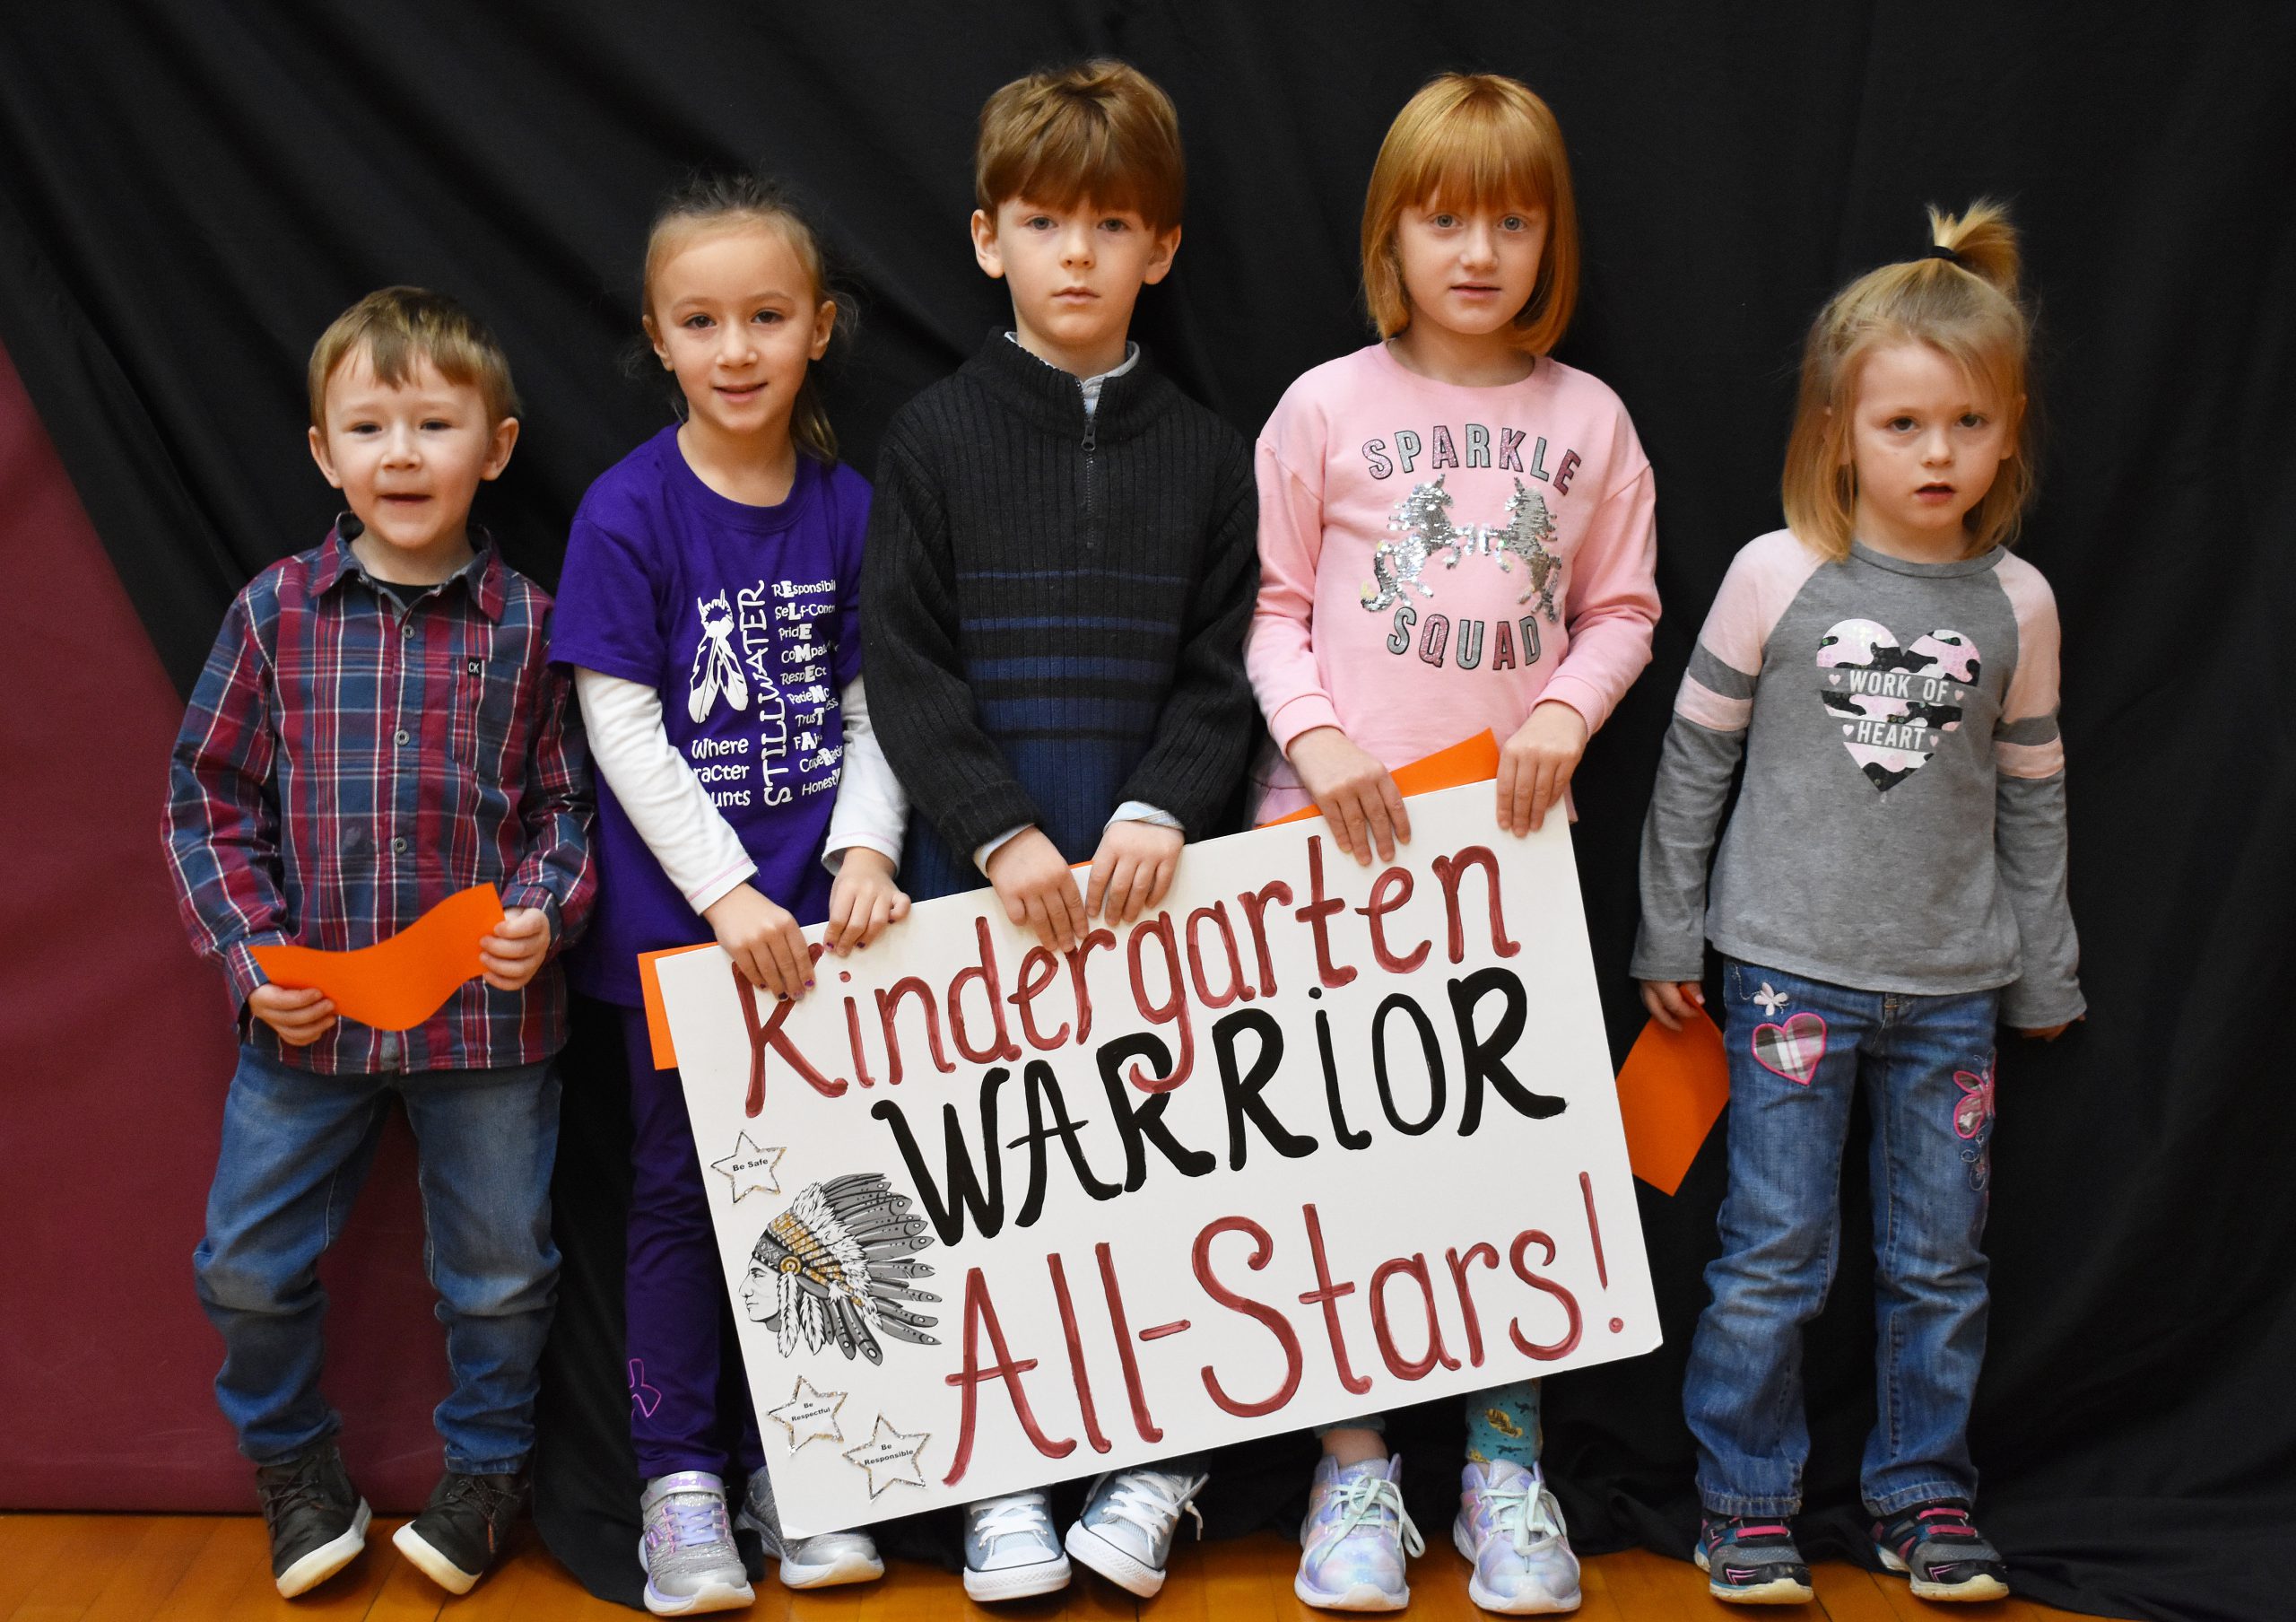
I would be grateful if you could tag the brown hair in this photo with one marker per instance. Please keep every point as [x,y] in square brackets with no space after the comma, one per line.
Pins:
[707,203]
[1474,141]
[397,326]
[1966,307]
[1101,133]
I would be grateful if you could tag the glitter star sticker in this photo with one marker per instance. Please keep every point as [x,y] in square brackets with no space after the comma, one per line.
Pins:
[809,1416]
[750,1169]
[890,1457]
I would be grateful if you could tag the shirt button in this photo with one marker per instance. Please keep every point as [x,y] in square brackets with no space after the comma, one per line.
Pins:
[406,632]
[400,736]
[399,843]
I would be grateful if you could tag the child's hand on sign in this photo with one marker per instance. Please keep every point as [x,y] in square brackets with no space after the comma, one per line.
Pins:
[1132,869]
[1669,1001]
[510,954]
[864,901]
[1039,893]
[300,1014]
[1534,767]
[762,939]
[1356,794]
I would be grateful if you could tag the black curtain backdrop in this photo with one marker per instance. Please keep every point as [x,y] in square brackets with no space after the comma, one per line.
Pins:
[189,191]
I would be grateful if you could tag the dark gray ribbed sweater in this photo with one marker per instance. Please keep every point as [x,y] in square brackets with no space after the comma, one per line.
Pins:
[1053,608]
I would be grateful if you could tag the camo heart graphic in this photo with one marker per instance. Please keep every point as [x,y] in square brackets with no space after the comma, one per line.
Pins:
[1894,704]
[1792,1049]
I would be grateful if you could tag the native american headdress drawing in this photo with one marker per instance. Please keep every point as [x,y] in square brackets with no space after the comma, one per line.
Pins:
[835,1258]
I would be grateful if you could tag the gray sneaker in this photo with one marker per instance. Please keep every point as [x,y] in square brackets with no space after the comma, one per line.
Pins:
[688,1552]
[1011,1549]
[1125,1531]
[821,1561]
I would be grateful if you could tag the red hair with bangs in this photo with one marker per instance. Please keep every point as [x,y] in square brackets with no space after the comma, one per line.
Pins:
[1474,141]
[1101,133]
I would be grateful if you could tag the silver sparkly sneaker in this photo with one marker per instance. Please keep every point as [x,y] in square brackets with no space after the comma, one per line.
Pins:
[688,1551]
[823,1560]
[1356,1538]
[1509,1528]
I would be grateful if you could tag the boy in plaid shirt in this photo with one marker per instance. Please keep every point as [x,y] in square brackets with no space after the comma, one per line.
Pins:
[377,727]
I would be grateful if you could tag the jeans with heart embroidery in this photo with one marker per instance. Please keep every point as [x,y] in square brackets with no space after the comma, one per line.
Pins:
[1799,1050]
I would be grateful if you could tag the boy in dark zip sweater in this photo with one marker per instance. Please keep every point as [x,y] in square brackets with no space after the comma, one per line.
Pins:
[1061,562]
[1062,554]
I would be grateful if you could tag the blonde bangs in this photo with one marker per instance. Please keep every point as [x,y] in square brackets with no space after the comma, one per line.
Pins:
[1477,160]
[1471,142]
[397,328]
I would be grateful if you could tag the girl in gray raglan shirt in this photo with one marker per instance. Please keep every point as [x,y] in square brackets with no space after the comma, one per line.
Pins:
[1890,884]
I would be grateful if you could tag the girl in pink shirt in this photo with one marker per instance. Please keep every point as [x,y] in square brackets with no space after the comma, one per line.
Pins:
[1456,534]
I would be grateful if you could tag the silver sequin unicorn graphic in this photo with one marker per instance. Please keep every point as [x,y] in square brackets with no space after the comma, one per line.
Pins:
[1424,520]
[1525,535]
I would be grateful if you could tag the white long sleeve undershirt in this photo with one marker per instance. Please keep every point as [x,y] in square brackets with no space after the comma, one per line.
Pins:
[671,810]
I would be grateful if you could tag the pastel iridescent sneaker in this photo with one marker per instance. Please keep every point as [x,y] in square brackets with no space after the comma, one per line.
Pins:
[1751,1560]
[1356,1538]
[1936,1545]
[823,1560]
[687,1550]
[1011,1548]
[1125,1531]
[1510,1529]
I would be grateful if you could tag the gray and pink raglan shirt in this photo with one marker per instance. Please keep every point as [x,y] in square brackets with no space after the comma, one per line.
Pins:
[1901,824]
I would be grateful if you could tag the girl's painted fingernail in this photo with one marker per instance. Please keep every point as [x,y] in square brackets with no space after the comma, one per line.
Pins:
[809,985]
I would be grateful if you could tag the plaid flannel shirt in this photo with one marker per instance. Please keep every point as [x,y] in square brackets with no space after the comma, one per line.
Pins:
[345,764]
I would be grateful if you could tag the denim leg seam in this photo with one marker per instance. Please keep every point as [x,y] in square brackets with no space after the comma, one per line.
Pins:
[1888,1416]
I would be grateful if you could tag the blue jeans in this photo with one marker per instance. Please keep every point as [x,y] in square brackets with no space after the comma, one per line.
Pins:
[296,1149]
[1798,1050]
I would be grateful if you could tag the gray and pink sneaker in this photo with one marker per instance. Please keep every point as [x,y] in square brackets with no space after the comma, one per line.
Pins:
[1936,1545]
[1751,1560]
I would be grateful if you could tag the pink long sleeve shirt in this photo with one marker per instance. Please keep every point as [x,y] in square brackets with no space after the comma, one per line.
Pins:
[1436,559]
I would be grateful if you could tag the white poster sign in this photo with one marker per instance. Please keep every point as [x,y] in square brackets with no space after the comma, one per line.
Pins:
[1314,1141]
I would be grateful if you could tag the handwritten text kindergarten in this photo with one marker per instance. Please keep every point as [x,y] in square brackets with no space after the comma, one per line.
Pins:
[1309,1141]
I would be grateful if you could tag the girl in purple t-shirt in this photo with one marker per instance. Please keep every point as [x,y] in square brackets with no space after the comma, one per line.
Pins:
[710,607]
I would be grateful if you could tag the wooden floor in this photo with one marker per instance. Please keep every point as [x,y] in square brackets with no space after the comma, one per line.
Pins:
[195,1568]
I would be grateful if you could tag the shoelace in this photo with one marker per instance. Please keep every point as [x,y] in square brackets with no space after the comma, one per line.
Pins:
[1016,1514]
[480,1492]
[695,1520]
[305,1486]
[1520,1512]
[1368,1497]
[1153,1501]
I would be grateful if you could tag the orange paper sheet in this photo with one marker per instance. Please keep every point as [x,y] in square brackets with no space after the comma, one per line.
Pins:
[1474,761]
[398,983]
[658,1018]
[1671,1090]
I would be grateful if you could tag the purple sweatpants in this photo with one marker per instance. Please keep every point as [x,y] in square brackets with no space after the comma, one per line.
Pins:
[689,1403]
